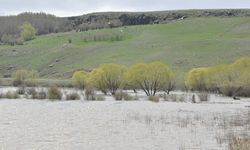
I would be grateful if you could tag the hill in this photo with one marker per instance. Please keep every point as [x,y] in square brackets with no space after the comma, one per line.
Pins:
[46,23]
[182,44]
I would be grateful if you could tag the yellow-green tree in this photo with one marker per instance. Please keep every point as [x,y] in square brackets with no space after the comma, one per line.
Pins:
[80,79]
[28,32]
[151,78]
[230,80]
[108,77]
[20,76]
[196,79]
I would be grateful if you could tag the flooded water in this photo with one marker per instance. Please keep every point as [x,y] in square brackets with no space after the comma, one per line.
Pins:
[111,125]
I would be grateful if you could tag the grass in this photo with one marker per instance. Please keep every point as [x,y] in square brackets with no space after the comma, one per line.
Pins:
[182,44]
[239,144]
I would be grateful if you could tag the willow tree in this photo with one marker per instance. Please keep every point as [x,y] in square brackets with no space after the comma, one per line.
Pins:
[151,78]
[80,79]
[22,75]
[108,77]
[196,79]
[28,32]
[231,79]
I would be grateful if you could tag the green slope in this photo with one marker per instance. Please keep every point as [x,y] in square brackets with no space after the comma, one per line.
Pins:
[182,44]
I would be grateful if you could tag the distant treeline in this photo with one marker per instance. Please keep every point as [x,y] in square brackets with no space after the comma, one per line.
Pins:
[45,23]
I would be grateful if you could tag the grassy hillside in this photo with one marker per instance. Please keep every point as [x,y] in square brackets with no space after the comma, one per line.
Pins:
[182,44]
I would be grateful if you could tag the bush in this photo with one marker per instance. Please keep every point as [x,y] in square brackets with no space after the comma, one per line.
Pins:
[69,40]
[32,92]
[154,98]
[10,95]
[11,40]
[239,143]
[21,90]
[170,97]
[41,95]
[20,76]
[100,97]
[120,95]
[54,93]
[73,96]
[181,98]
[127,97]
[90,93]
[203,96]
[31,83]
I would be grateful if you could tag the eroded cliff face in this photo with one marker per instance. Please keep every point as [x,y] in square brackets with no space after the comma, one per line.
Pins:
[116,19]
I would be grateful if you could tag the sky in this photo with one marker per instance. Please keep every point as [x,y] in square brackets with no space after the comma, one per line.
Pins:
[79,7]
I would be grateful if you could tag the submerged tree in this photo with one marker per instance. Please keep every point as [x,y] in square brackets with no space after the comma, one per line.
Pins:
[231,80]
[80,79]
[151,77]
[196,79]
[108,77]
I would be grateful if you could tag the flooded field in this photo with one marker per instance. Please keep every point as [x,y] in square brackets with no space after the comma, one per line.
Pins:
[112,125]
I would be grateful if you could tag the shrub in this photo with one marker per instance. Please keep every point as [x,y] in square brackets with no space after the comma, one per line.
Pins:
[33,93]
[174,97]
[29,91]
[120,95]
[31,83]
[203,96]
[11,39]
[69,40]
[239,144]
[10,95]
[100,97]
[41,95]
[154,98]
[36,94]
[73,96]
[135,98]
[21,90]
[20,76]
[181,98]
[90,93]
[127,97]
[54,93]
